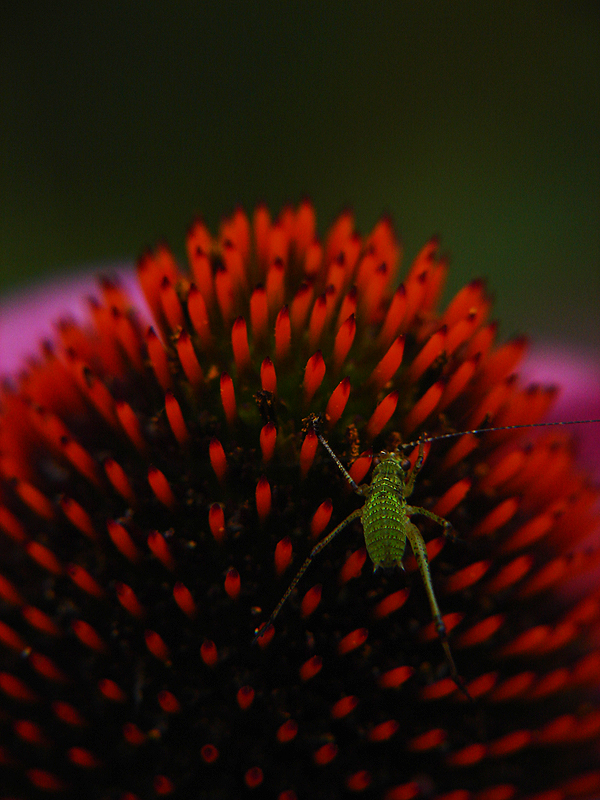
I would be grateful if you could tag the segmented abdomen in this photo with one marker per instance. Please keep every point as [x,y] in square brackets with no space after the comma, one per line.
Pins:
[383,516]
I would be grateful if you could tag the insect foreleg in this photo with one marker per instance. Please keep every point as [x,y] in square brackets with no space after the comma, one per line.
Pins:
[358,489]
[420,552]
[314,552]
[416,469]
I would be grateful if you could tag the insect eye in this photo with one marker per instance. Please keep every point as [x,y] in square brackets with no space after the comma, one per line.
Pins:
[405,465]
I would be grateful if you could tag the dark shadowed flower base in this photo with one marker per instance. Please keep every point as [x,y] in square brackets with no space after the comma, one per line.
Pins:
[159,490]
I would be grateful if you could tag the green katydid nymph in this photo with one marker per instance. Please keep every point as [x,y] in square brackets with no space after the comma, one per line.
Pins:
[387,525]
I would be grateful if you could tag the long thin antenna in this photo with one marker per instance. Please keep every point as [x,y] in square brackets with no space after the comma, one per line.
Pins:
[500,428]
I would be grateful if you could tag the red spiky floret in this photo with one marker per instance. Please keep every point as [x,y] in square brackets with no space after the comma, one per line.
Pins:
[158,490]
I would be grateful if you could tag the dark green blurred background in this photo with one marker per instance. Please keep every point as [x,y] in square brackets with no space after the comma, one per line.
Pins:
[478,121]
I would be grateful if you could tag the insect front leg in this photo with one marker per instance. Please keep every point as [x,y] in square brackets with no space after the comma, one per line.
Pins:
[417,467]
[315,551]
[420,552]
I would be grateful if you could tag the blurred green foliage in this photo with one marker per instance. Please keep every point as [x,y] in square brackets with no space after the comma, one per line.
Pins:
[477,121]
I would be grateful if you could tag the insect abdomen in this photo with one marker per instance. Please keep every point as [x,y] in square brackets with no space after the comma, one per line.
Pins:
[382,520]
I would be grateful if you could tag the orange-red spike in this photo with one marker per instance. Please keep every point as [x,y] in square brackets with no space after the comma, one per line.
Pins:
[234,263]
[259,314]
[185,601]
[343,342]
[466,756]
[320,519]
[158,359]
[68,714]
[176,420]
[78,516]
[11,525]
[162,785]
[317,321]
[337,402]
[128,599]
[233,583]
[452,497]
[159,547]
[361,466]
[373,293]
[394,678]
[156,645]
[45,781]
[239,343]
[383,731]
[209,753]
[394,317]
[283,555]
[307,451]
[432,350]
[343,707]
[81,460]
[510,574]
[261,224]
[287,731]
[11,638]
[388,365]
[311,600]
[274,285]
[209,653]
[135,737]
[160,486]
[427,741]
[352,641]
[199,316]
[131,425]
[40,620]
[459,381]
[382,415]
[245,697]
[314,372]
[216,522]
[45,667]
[305,224]
[497,517]
[503,361]
[225,292]
[352,566]
[268,378]
[311,668]
[84,580]
[283,335]
[263,498]
[16,688]
[189,361]
[44,557]
[36,500]
[88,635]
[325,754]
[30,732]
[480,632]
[168,702]
[228,397]
[465,445]
[300,307]
[97,393]
[267,438]
[116,475]
[423,407]
[131,340]
[218,460]
[466,577]
[390,603]
[198,242]
[123,541]
[348,307]
[253,777]
[10,593]
[111,690]
[170,304]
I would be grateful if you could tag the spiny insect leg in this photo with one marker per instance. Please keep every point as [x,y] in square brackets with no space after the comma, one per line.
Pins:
[313,418]
[420,552]
[448,528]
[315,551]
